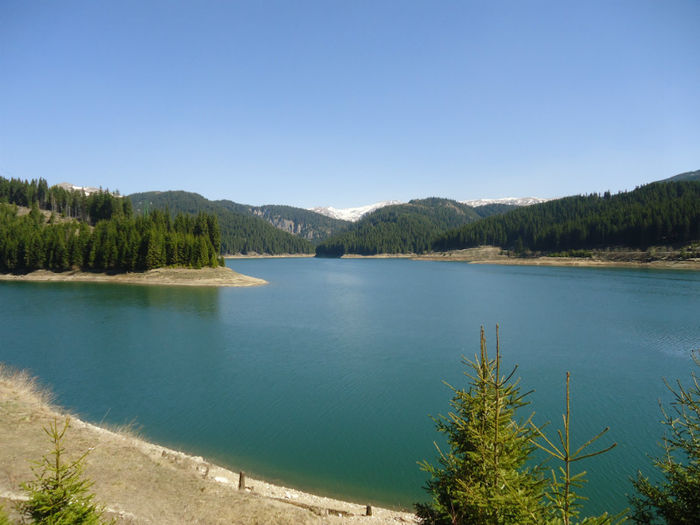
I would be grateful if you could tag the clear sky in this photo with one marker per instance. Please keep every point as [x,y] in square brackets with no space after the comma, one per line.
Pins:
[325,102]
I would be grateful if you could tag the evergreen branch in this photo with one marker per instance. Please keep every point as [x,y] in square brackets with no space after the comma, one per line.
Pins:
[592,454]
[589,442]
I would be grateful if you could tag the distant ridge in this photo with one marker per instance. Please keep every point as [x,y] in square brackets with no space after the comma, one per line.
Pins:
[355,214]
[403,228]
[87,190]
[352,214]
[511,201]
[688,175]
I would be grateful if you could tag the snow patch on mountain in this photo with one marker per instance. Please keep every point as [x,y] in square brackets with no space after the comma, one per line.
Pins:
[355,214]
[351,214]
[87,190]
[513,201]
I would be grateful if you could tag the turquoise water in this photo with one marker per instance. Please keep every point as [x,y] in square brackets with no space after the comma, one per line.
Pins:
[325,378]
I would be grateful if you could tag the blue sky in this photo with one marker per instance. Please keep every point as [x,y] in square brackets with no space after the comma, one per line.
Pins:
[347,103]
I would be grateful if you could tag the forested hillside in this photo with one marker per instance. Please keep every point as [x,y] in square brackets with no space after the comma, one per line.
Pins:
[487,210]
[96,232]
[68,203]
[655,214]
[240,233]
[307,224]
[401,228]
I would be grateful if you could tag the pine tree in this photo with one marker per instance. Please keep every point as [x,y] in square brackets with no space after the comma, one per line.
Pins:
[35,214]
[563,503]
[34,256]
[483,478]
[59,495]
[676,499]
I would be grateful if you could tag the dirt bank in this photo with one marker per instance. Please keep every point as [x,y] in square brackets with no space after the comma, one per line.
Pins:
[160,276]
[380,256]
[143,483]
[654,258]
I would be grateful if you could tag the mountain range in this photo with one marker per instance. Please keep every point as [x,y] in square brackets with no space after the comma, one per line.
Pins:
[387,226]
[404,228]
[293,230]
[355,214]
[286,229]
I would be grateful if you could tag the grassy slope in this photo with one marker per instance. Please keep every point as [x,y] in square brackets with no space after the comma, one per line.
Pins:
[140,482]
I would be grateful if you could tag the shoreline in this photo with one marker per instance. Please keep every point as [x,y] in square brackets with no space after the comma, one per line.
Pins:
[269,256]
[219,277]
[573,262]
[494,255]
[142,482]
[381,256]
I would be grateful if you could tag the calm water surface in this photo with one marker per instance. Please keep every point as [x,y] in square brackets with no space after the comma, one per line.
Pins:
[325,378]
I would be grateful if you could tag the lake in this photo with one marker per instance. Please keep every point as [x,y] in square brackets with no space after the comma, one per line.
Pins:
[325,378]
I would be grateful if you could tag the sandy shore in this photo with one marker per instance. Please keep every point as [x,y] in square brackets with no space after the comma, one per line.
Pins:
[143,483]
[160,276]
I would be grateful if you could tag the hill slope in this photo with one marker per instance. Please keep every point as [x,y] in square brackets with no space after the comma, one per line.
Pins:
[307,224]
[352,214]
[658,213]
[401,228]
[144,483]
[688,175]
[240,232]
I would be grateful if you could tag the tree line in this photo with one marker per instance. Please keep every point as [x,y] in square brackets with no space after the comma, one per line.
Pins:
[67,203]
[120,244]
[662,213]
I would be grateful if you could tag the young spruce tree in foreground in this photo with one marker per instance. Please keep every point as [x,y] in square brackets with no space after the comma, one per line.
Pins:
[484,478]
[676,499]
[563,504]
[59,495]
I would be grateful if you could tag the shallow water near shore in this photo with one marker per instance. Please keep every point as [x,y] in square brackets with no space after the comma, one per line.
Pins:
[324,379]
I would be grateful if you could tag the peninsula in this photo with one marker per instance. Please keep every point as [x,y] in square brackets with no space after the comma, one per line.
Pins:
[220,276]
